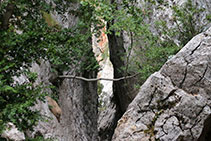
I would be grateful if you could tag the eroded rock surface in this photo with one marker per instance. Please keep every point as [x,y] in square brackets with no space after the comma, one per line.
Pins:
[52,128]
[174,103]
[12,133]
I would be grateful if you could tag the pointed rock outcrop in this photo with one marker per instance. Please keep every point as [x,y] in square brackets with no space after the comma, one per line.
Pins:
[174,102]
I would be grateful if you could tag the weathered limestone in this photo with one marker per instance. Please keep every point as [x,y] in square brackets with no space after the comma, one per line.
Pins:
[12,133]
[173,103]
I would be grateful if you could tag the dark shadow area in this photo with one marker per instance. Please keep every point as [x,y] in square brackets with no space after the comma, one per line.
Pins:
[206,132]
[2,139]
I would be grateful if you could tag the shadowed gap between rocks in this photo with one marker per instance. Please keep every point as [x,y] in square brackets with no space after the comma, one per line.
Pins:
[123,91]
[206,132]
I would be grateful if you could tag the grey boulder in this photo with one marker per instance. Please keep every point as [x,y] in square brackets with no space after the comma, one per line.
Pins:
[173,103]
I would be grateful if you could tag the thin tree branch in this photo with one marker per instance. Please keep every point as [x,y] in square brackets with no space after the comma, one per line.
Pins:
[96,79]
[7,15]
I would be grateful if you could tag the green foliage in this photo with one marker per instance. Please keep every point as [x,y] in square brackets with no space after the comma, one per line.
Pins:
[29,36]
[15,101]
[154,57]
[156,52]
[151,51]
[49,19]
[186,19]
[151,127]
[208,17]
[17,52]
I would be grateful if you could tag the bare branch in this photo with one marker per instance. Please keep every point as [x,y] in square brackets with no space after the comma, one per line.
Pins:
[7,15]
[96,79]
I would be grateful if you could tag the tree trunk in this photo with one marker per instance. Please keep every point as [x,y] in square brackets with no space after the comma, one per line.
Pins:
[117,56]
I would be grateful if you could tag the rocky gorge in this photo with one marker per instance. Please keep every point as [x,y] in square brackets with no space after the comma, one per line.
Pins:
[173,104]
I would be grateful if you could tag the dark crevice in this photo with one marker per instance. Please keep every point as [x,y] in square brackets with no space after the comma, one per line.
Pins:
[191,133]
[179,118]
[162,126]
[138,120]
[122,90]
[206,131]
[138,131]
[195,123]
[162,105]
[196,48]
[141,111]
[172,82]
[152,96]
[202,75]
[3,139]
[170,94]
[160,136]
[202,109]
[183,80]
[106,134]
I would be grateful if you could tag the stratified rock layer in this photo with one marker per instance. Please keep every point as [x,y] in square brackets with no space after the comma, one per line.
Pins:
[173,103]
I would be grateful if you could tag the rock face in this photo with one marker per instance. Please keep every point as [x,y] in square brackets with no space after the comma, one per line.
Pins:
[101,51]
[174,103]
[123,91]
[51,128]
[78,102]
[163,11]
[12,133]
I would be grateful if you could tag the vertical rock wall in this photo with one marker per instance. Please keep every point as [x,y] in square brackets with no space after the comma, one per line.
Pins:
[77,99]
[101,50]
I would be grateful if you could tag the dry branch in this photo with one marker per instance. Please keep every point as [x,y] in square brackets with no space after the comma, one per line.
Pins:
[96,79]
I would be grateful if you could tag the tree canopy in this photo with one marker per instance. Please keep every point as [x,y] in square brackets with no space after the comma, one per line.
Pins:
[28,34]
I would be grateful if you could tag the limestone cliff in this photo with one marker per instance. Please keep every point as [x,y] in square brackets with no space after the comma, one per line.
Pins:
[174,102]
